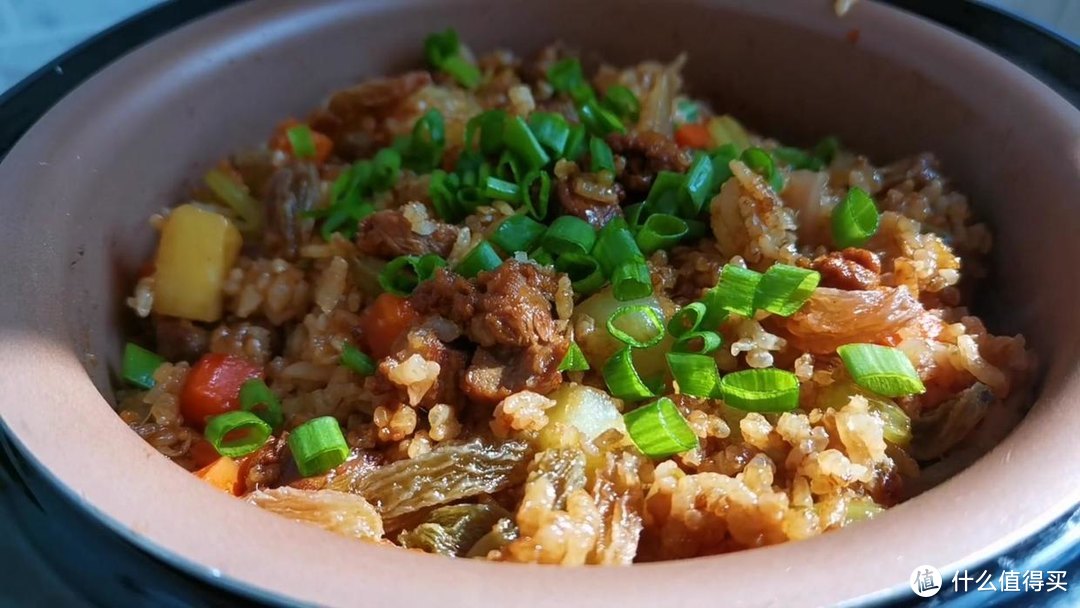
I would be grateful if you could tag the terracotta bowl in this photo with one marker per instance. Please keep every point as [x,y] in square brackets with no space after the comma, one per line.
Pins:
[78,188]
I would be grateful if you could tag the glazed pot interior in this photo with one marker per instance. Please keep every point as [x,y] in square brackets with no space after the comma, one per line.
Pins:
[80,187]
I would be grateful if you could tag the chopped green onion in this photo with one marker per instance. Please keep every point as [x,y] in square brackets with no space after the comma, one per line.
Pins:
[615,245]
[659,430]
[737,289]
[695,374]
[519,139]
[569,234]
[257,398]
[715,312]
[574,361]
[660,231]
[443,51]
[584,272]
[542,257]
[698,185]
[622,101]
[139,365]
[443,196]
[566,76]
[482,257]
[633,213]
[797,158]
[721,165]
[302,141]
[236,433]
[575,143]
[699,342]
[664,194]
[237,197]
[687,319]
[761,163]
[386,167]
[495,188]
[695,230]
[356,360]
[490,125]
[517,233]
[686,111]
[783,289]
[645,318]
[855,219]
[345,220]
[508,167]
[318,446]
[401,275]
[598,120]
[827,149]
[461,70]
[622,378]
[600,156]
[469,198]
[761,390]
[881,369]
[551,130]
[631,280]
[424,147]
[536,191]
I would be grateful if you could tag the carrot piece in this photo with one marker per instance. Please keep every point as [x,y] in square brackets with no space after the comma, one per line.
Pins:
[213,386]
[384,321]
[223,474]
[693,136]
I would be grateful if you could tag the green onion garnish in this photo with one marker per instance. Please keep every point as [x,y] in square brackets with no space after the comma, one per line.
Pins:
[632,213]
[257,398]
[687,111]
[695,374]
[461,70]
[443,51]
[855,219]
[631,280]
[584,272]
[715,313]
[615,245]
[536,191]
[642,320]
[881,369]
[783,289]
[566,76]
[599,120]
[761,163]
[495,188]
[386,167]
[761,390]
[402,274]
[575,143]
[551,130]
[698,342]
[827,149]
[517,233]
[489,125]
[356,360]
[520,140]
[600,156]
[659,430]
[664,194]
[721,164]
[318,446]
[482,257]
[569,234]
[237,433]
[139,365]
[698,185]
[797,158]
[443,196]
[542,257]
[574,361]
[622,101]
[687,319]
[737,290]
[302,141]
[508,167]
[237,197]
[661,231]
[622,379]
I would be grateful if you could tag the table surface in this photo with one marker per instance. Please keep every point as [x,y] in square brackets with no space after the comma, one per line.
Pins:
[34,31]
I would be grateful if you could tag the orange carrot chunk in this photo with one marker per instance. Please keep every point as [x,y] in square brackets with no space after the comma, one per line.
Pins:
[388,317]
[693,136]
[213,386]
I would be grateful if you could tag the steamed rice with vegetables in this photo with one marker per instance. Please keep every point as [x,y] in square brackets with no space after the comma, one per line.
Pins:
[500,309]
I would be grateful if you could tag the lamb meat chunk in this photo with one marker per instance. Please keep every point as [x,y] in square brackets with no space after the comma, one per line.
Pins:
[646,155]
[180,339]
[388,234]
[291,191]
[496,374]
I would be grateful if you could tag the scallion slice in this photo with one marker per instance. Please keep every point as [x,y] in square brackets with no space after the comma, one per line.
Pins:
[536,192]
[615,245]
[461,70]
[576,143]
[737,290]
[584,272]
[695,374]
[566,76]
[482,257]
[574,361]
[138,365]
[257,398]
[489,125]
[509,168]
[551,130]
[236,433]
[356,360]
[235,194]
[443,51]
[569,234]
[600,156]
[698,342]
[663,196]
[659,430]
[401,275]
[660,231]
[633,214]
[622,378]
[855,219]
[495,188]
[517,233]
[715,313]
[318,446]
[881,369]
[687,319]
[642,320]
[622,101]
[783,289]
[386,167]
[631,280]
[698,185]
[761,390]
[301,141]
[443,196]
[721,164]
[761,163]
[424,147]
[520,140]
[826,149]
[599,120]
[542,257]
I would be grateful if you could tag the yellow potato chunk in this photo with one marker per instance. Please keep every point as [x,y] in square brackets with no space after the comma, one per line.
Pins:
[197,249]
